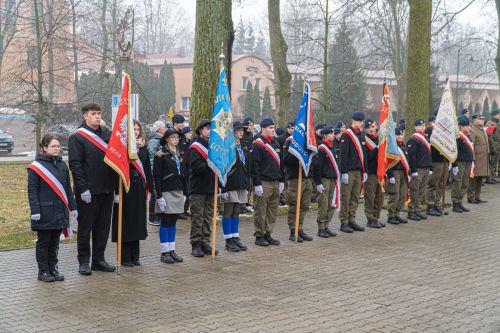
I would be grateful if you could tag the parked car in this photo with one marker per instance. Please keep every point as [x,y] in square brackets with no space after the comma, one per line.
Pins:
[63,131]
[6,142]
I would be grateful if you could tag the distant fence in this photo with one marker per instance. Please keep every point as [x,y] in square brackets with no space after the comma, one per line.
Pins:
[17,116]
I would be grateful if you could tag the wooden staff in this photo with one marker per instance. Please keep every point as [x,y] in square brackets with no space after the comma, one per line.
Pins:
[214,218]
[119,255]
[297,209]
[443,189]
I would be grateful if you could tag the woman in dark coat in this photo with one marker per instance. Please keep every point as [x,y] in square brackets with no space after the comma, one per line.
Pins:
[49,211]
[169,184]
[134,203]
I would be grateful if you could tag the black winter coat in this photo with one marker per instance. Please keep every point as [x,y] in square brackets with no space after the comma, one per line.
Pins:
[399,166]
[44,201]
[324,168]
[349,159]
[263,165]
[237,178]
[372,157]
[86,162]
[436,155]
[292,164]
[201,177]
[418,155]
[165,174]
[464,153]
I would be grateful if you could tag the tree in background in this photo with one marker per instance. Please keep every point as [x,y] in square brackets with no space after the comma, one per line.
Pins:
[494,105]
[486,106]
[297,91]
[267,108]
[166,91]
[346,83]
[252,102]
[435,88]
[477,108]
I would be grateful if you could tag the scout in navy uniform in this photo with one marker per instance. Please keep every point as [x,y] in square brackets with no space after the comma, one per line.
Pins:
[461,168]
[372,188]
[268,179]
[327,180]
[353,167]
[201,191]
[398,181]
[94,183]
[420,160]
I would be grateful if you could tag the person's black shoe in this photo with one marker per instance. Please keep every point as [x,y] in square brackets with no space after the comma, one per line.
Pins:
[346,228]
[382,224]
[45,277]
[196,250]
[207,249]
[84,269]
[356,227]
[292,237]
[421,215]
[401,220]
[330,233]
[322,233]
[183,216]
[463,208]
[57,275]
[432,211]
[271,240]
[372,224]
[136,263]
[261,241]
[305,236]
[490,181]
[238,243]
[481,201]
[167,258]
[456,208]
[472,201]
[413,216]
[175,256]
[102,266]
[230,246]
[128,264]
[392,220]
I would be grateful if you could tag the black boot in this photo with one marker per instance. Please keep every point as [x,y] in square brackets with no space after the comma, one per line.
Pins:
[356,227]
[323,233]
[167,258]
[238,243]
[344,227]
[463,208]
[197,252]
[382,224]
[432,211]
[401,220]
[230,246]
[421,215]
[207,249]
[392,220]
[45,277]
[372,223]
[330,232]
[456,208]
[260,241]
[56,274]
[102,266]
[292,237]
[271,240]
[175,256]
[413,216]
[305,236]
[84,269]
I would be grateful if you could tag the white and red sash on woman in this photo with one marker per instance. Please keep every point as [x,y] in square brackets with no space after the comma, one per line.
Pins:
[469,145]
[406,165]
[336,194]
[55,185]
[200,149]
[422,139]
[270,149]
[93,138]
[370,144]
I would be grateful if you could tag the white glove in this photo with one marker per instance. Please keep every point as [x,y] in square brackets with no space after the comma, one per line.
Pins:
[430,172]
[36,217]
[117,198]
[415,174]
[281,187]
[86,196]
[392,180]
[320,188]
[455,171]
[74,214]
[345,178]
[224,195]
[365,177]
[161,203]
[259,191]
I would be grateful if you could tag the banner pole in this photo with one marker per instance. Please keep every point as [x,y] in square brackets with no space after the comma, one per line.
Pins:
[214,219]
[297,209]
[443,189]
[119,254]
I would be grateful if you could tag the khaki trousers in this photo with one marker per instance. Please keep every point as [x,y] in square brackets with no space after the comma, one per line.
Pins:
[435,183]
[418,186]
[325,208]
[266,208]
[349,197]
[202,210]
[397,193]
[305,200]
[373,191]
[460,182]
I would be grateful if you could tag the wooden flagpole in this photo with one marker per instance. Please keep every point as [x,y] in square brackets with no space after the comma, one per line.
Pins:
[443,189]
[119,254]
[297,209]
[214,218]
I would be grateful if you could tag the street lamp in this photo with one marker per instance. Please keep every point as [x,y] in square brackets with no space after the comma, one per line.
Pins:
[458,70]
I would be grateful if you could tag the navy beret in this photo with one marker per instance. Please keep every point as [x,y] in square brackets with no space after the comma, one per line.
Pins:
[478,116]
[279,131]
[398,131]
[358,115]
[247,121]
[337,131]
[327,130]
[291,124]
[464,111]
[431,118]
[237,125]
[186,129]
[177,119]
[368,122]
[266,122]
[319,126]
[340,124]
[419,122]
[463,121]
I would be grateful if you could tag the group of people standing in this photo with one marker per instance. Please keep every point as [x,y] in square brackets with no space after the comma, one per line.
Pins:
[173,174]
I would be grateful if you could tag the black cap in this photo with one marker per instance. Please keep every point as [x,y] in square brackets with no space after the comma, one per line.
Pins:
[327,130]
[478,116]
[247,121]
[201,124]
[266,122]
[419,122]
[464,111]
[186,129]
[319,126]
[399,131]
[238,125]
[431,118]
[178,119]
[340,124]
[337,131]
[358,115]
[168,133]
[463,121]
[369,122]
[290,124]
[279,131]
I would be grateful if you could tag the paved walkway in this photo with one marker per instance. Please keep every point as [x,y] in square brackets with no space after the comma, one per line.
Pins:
[439,275]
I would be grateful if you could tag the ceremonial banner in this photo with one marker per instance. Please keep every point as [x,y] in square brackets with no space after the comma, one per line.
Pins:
[303,145]
[170,114]
[445,132]
[222,150]
[388,152]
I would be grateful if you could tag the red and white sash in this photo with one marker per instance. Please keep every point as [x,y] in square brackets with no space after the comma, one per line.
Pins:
[358,146]
[140,167]
[93,138]
[200,149]
[270,149]
[406,165]
[370,144]
[469,145]
[55,185]
[422,139]
[336,193]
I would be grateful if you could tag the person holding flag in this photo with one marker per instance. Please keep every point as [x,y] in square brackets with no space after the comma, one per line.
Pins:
[327,180]
[372,188]
[462,167]
[353,168]
[51,203]
[94,184]
[398,181]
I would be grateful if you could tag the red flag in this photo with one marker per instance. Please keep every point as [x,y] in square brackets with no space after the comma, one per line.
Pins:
[117,152]
[388,152]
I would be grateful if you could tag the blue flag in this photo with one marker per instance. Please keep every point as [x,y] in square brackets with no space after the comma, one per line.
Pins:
[303,144]
[222,151]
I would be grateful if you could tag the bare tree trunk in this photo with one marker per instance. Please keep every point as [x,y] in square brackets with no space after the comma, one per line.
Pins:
[74,49]
[324,81]
[497,58]
[418,64]
[398,63]
[50,50]
[282,76]
[214,27]
[104,59]
[40,115]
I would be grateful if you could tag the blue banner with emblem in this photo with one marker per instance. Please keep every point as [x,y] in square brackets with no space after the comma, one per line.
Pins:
[222,150]
[303,145]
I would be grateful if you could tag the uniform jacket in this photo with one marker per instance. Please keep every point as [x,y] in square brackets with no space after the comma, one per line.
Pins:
[481,150]
[44,201]
[237,178]
[292,164]
[436,155]
[399,166]
[153,145]
[372,156]
[495,137]
[165,174]
[464,153]
[323,166]
[418,155]
[263,165]
[349,159]
[201,177]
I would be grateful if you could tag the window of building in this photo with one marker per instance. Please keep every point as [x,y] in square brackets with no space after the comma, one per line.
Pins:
[257,84]
[244,83]
[185,103]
